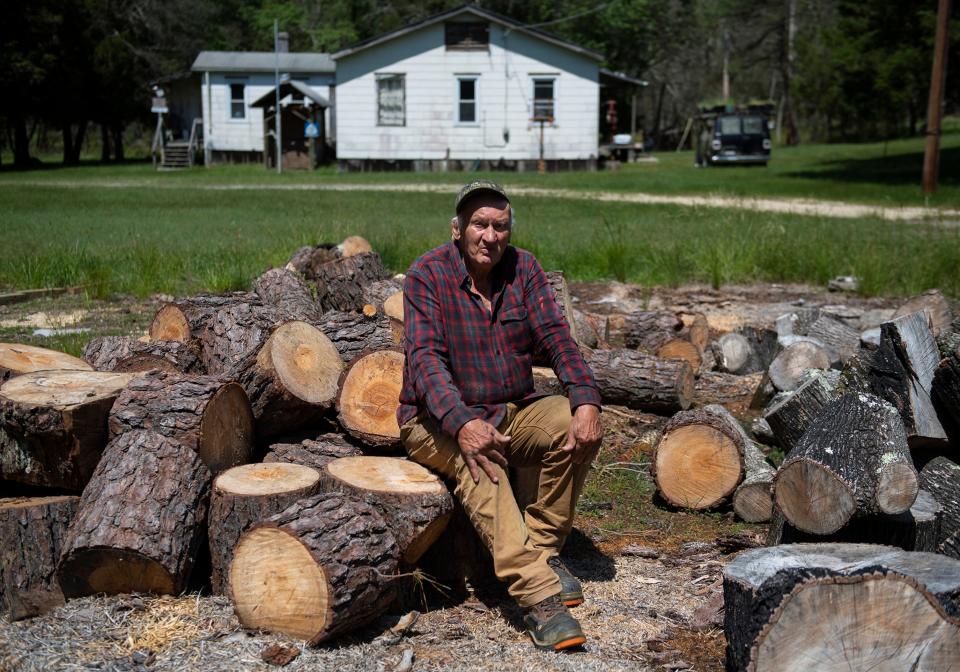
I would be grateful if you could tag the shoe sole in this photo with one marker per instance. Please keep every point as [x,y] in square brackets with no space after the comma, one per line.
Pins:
[579,640]
[573,602]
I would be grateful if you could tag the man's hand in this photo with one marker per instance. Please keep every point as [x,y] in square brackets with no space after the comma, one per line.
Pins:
[585,434]
[482,445]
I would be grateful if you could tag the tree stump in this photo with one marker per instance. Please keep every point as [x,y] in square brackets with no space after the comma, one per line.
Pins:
[53,425]
[17,359]
[941,478]
[31,538]
[204,412]
[369,396]
[187,319]
[852,461]
[788,369]
[322,567]
[790,417]
[727,389]
[129,355]
[312,452]
[636,380]
[283,290]
[352,333]
[140,521]
[649,329]
[841,607]
[340,282]
[246,495]
[415,503]
[291,380]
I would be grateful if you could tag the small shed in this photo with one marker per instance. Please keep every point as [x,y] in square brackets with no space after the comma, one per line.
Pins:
[301,126]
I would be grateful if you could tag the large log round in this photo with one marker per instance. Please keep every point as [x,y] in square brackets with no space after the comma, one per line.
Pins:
[789,417]
[340,282]
[324,566]
[129,355]
[140,520]
[288,293]
[186,320]
[235,331]
[369,395]
[17,359]
[246,495]
[641,381]
[53,425]
[787,370]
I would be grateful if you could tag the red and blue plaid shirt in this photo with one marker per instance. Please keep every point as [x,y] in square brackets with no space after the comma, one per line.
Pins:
[464,362]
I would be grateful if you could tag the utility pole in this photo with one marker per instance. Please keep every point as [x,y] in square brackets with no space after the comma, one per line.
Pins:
[276,80]
[931,155]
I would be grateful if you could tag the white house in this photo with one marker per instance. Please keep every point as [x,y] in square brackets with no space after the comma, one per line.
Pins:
[467,88]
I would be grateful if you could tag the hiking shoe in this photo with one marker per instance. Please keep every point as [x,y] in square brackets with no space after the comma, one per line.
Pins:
[571,592]
[551,626]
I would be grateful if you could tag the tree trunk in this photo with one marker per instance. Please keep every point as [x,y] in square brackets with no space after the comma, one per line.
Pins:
[53,425]
[141,519]
[17,359]
[727,389]
[841,606]
[288,294]
[32,530]
[789,418]
[789,368]
[415,503]
[852,461]
[941,478]
[369,396]
[640,381]
[312,452]
[291,380]
[206,413]
[352,333]
[246,495]
[322,567]
[117,130]
[129,355]
[186,320]
[104,143]
[21,141]
[648,330]
[340,282]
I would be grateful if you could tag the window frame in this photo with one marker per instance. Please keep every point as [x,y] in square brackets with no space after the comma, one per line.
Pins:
[458,101]
[465,46]
[554,79]
[382,76]
[231,101]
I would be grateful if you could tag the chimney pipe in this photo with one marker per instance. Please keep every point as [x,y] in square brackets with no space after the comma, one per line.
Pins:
[283,43]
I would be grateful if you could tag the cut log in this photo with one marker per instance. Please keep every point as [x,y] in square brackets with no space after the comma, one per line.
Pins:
[369,396]
[763,342]
[235,332]
[913,530]
[636,380]
[186,320]
[285,291]
[320,568]
[949,339]
[649,329]
[340,282]
[32,530]
[945,395]
[841,607]
[17,359]
[129,355]
[545,381]
[852,461]
[753,498]
[698,462]
[790,417]
[393,308]
[695,329]
[140,521]
[291,380]
[796,322]
[312,452]
[935,307]
[941,478]
[415,503]
[679,348]
[352,245]
[377,293]
[53,425]
[592,330]
[836,335]
[352,333]
[562,295]
[103,352]
[788,369]
[246,495]
[727,389]
[206,413]
[735,354]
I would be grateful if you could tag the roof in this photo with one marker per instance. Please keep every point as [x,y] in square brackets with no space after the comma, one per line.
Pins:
[286,88]
[510,24]
[622,77]
[263,61]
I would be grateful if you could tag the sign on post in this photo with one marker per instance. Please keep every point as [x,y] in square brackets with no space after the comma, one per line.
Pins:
[159,105]
[311,130]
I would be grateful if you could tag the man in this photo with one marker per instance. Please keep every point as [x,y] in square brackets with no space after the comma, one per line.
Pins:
[475,310]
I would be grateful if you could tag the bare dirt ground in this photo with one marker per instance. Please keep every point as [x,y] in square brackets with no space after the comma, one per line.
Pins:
[652,575]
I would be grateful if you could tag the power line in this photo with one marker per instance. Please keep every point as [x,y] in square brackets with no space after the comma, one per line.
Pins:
[567,18]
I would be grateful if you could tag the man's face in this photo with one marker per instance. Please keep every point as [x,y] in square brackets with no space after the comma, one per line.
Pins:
[484,232]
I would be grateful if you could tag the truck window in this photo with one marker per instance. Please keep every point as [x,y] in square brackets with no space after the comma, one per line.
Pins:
[728,126]
[753,126]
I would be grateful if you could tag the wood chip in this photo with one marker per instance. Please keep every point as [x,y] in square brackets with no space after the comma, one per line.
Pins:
[279,655]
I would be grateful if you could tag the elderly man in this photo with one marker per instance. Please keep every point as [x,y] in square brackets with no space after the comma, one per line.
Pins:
[475,311]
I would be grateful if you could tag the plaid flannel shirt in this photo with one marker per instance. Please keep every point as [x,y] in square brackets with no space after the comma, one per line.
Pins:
[464,362]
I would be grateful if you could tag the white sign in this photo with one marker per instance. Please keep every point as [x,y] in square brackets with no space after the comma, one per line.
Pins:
[311,130]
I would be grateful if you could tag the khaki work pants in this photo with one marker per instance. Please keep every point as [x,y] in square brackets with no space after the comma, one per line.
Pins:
[519,542]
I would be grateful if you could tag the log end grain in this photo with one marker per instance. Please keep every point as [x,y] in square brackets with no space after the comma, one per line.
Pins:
[306,362]
[226,429]
[679,348]
[753,502]
[265,478]
[813,498]
[170,324]
[369,396]
[697,466]
[17,359]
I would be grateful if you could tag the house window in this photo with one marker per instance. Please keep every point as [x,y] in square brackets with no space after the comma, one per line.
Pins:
[543,99]
[470,36]
[467,100]
[238,106]
[390,100]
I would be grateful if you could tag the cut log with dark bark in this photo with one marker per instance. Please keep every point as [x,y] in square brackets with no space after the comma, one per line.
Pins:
[129,355]
[789,417]
[796,322]
[286,291]
[841,607]
[140,521]
[369,395]
[636,380]
[312,452]
[763,342]
[340,282]
[945,395]
[592,330]
[753,498]
[208,414]
[352,333]
[913,530]
[788,369]
[852,461]
[734,353]
[679,348]
[949,339]
[393,309]
[836,335]
[726,389]
[941,477]
[324,566]
[186,320]
[695,329]
[17,359]
[647,330]
[415,503]
[291,380]
[376,293]
[235,332]
[103,352]
[935,307]
[53,425]
[246,495]
[32,530]
[562,295]
[699,460]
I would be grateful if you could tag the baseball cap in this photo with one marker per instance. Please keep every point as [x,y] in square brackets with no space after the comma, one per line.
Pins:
[475,187]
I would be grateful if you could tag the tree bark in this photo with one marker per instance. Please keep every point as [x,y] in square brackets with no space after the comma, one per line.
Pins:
[283,290]
[941,477]
[53,425]
[17,359]
[322,567]
[842,339]
[352,333]
[376,293]
[849,606]
[312,452]
[945,395]
[369,395]
[246,495]
[32,530]
[186,320]
[236,331]
[340,282]
[787,371]
[593,330]
[727,389]
[640,381]
[129,355]
[308,259]
[789,418]
[648,330]
[206,413]
[935,307]
[393,309]
[735,354]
